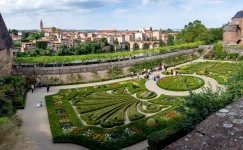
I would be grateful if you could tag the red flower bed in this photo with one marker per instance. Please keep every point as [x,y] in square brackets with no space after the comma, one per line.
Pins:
[170,114]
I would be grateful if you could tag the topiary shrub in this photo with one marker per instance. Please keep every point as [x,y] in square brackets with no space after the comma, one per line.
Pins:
[151,122]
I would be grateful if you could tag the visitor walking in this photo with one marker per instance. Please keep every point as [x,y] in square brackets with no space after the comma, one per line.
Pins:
[32,88]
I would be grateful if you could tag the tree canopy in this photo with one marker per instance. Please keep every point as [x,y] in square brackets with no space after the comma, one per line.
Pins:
[196,31]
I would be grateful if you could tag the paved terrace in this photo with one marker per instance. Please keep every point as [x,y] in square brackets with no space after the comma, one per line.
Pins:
[36,123]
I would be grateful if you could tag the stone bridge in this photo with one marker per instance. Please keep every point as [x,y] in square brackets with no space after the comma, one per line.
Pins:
[135,45]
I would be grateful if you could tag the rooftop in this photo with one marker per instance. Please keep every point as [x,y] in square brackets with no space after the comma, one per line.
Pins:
[5,39]
[239,14]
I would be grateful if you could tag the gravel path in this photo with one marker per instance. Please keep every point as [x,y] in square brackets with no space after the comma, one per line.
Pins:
[36,123]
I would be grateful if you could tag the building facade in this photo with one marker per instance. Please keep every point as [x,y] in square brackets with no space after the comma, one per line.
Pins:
[233,31]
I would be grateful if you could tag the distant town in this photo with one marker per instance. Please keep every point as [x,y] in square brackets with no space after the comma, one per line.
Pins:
[52,38]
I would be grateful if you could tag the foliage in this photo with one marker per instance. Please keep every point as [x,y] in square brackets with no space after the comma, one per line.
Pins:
[161,43]
[41,44]
[78,49]
[138,67]
[12,94]
[115,71]
[101,57]
[13,31]
[234,83]
[218,47]
[192,32]
[170,41]
[9,132]
[196,31]
[151,122]
[17,43]
[180,83]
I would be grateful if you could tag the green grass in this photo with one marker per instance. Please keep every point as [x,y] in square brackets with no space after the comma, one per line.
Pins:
[180,83]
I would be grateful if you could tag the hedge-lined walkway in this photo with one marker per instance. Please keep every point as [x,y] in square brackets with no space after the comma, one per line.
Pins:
[35,120]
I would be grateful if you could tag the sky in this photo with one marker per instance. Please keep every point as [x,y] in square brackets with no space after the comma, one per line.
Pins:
[117,14]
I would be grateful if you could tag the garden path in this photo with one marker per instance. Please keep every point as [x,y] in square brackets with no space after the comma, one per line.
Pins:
[36,123]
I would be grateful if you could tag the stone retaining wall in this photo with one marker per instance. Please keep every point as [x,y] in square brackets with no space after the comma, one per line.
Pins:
[233,50]
[96,67]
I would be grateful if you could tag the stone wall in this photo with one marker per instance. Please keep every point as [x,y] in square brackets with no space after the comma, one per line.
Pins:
[222,131]
[233,50]
[96,67]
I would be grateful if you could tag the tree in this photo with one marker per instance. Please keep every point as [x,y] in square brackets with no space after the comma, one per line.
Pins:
[170,41]
[42,34]
[13,31]
[116,43]
[41,44]
[192,32]
[104,42]
[218,48]
[161,43]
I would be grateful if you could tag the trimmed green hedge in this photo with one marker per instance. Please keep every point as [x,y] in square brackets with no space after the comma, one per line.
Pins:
[180,83]
[160,139]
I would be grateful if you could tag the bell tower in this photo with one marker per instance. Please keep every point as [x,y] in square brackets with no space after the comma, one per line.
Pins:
[41,25]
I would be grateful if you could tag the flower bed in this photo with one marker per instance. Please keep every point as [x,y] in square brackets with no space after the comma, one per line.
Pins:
[146,94]
[180,83]
[216,70]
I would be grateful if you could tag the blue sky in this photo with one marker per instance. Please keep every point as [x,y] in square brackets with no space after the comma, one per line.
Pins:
[117,14]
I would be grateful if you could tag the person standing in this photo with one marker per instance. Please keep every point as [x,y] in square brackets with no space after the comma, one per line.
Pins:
[47,87]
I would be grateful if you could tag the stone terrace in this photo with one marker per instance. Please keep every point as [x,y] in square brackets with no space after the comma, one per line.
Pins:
[222,130]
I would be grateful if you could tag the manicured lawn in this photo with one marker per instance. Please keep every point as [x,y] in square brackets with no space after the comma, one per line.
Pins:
[180,83]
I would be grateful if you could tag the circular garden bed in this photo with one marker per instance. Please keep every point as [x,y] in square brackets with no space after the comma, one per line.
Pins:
[180,83]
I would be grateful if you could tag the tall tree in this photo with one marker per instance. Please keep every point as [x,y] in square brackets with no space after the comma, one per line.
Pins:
[192,32]
[170,41]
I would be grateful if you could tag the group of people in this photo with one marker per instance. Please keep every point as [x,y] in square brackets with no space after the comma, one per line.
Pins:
[33,87]
[162,66]
[39,104]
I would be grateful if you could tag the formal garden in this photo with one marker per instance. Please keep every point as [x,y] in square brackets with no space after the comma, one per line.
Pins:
[116,115]
[110,116]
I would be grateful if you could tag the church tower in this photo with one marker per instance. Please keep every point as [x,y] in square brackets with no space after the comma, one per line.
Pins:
[41,25]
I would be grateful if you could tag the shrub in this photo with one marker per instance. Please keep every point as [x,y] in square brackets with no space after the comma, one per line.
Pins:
[151,122]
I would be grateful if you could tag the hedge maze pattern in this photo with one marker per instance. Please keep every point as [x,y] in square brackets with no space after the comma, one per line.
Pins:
[180,83]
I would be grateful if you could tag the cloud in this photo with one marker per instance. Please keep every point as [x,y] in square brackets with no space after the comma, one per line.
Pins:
[120,11]
[119,14]
[13,6]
